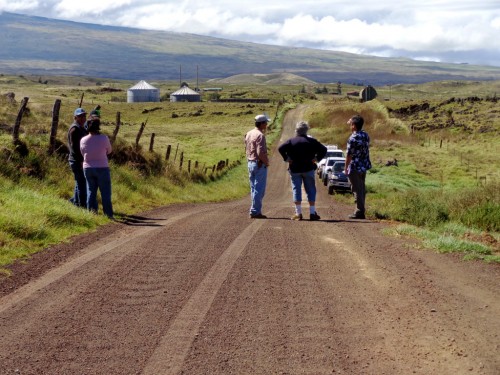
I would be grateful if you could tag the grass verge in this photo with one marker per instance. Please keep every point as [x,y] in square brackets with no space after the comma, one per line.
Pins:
[443,240]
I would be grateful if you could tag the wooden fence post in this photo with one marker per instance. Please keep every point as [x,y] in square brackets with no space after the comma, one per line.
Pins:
[55,124]
[15,132]
[139,135]
[81,101]
[152,142]
[182,160]
[167,155]
[117,127]
[196,164]
[189,166]
[175,156]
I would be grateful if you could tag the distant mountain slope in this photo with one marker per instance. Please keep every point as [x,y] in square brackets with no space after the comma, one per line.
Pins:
[36,45]
[265,79]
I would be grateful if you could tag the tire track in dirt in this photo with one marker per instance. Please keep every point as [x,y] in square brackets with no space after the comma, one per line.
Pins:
[369,272]
[169,356]
[129,295]
[89,254]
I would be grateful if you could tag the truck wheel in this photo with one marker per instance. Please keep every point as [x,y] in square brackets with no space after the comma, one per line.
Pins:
[330,189]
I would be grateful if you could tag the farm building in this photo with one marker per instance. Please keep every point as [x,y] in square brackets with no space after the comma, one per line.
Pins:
[368,93]
[185,94]
[143,92]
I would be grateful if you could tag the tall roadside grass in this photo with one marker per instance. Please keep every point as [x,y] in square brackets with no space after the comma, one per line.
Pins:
[477,208]
[30,220]
[433,187]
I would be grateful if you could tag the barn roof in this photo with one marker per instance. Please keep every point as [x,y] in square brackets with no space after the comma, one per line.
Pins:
[143,85]
[185,91]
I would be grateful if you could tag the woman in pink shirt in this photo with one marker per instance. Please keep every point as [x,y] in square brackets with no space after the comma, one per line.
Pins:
[95,149]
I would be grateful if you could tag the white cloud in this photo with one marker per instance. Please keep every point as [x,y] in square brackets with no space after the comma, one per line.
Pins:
[18,6]
[203,20]
[70,9]
[495,23]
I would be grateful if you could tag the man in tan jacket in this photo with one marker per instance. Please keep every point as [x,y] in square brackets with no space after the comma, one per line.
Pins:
[258,161]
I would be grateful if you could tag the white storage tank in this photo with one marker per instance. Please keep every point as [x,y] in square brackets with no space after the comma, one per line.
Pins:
[143,92]
[185,94]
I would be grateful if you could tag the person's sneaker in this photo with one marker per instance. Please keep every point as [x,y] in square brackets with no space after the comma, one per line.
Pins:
[357,216]
[297,217]
[258,216]
[314,216]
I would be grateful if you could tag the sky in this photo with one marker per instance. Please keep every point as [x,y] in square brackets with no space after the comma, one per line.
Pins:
[455,31]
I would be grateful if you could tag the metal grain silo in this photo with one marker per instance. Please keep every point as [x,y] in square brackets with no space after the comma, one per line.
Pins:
[143,92]
[185,94]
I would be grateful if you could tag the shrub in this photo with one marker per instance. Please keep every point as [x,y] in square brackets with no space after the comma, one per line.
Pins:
[421,208]
[32,162]
[477,207]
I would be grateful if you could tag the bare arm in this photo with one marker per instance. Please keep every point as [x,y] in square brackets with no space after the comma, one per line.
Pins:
[348,160]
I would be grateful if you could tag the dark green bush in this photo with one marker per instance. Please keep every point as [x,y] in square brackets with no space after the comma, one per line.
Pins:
[421,208]
[485,217]
[32,162]
[478,207]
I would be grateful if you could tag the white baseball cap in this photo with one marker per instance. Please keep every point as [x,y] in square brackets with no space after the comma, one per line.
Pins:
[262,118]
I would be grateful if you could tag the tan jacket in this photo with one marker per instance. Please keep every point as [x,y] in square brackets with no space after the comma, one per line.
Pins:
[256,146]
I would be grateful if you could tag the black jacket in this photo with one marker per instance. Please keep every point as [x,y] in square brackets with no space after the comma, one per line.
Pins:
[75,135]
[302,150]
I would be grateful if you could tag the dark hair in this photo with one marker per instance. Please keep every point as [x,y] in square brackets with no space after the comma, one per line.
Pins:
[94,125]
[358,121]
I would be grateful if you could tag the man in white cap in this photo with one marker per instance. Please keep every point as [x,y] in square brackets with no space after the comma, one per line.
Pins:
[75,134]
[258,161]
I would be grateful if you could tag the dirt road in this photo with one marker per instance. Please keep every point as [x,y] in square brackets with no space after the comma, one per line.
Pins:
[203,289]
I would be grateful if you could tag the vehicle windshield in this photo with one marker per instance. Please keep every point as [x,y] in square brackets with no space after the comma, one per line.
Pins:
[334,153]
[338,167]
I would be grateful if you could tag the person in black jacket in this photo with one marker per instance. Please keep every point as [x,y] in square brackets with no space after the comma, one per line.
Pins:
[302,152]
[75,134]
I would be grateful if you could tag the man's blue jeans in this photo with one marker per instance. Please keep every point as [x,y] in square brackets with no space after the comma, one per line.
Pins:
[309,185]
[99,178]
[258,179]
[80,192]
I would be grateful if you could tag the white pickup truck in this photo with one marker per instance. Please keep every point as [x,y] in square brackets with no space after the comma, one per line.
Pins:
[332,151]
[327,167]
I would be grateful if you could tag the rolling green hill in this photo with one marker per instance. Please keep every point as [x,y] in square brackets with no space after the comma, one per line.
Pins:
[264,79]
[41,46]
